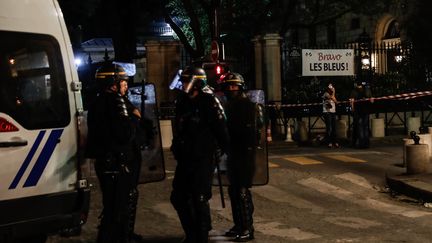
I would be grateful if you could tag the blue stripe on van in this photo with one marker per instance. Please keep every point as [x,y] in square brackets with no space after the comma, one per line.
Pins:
[27,160]
[43,159]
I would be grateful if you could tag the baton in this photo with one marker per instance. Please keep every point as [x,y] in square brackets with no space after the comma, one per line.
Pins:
[143,98]
[220,180]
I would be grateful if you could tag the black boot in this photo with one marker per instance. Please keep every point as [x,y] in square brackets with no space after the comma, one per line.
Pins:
[132,207]
[244,236]
[246,214]
[233,231]
[188,240]
[184,207]
[203,218]
[235,210]
[136,238]
[187,221]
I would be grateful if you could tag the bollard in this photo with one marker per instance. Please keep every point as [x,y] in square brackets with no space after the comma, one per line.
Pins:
[406,141]
[426,139]
[413,124]
[423,130]
[268,133]
[430,131]
[417,158]
[377,128]
[341,129]
[288,134]
[303,134]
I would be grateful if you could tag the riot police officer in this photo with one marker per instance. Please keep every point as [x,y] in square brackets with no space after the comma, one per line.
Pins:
[112,141]
[244,119]
[199,127]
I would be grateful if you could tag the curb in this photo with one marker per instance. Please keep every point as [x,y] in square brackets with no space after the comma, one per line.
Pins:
[415,186]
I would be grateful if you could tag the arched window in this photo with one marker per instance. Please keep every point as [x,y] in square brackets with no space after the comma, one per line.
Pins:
[393,30]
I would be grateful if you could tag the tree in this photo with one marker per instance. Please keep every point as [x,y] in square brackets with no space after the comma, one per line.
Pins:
[241,20]
[192,21]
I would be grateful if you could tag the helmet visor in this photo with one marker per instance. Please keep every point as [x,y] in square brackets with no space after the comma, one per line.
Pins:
[187,86]
[193,83]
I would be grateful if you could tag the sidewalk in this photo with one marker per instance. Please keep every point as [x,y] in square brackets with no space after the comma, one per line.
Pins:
[418,186]
[374,142]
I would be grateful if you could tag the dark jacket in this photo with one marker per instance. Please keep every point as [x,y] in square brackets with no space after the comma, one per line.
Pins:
[359,93]
[110,134]
[244,120]
[199,127]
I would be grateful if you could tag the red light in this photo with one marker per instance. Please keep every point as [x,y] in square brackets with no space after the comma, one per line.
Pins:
[218,70]
[6,126]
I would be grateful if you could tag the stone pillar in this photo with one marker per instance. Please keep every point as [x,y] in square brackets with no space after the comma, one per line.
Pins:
[163,61]
[258,62]
[272,66]
[166,133]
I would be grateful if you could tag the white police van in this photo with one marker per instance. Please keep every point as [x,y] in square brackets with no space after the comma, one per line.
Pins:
[41,186]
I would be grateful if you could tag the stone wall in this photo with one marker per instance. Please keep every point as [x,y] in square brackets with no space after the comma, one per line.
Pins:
[163,61]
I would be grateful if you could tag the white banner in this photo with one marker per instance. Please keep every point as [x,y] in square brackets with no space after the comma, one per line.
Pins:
[328,62]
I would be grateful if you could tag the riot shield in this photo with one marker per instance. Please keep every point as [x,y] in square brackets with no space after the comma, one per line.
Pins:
[261,176]
[152,162]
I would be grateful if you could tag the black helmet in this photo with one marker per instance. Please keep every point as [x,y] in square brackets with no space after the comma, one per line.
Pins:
[193,78]
[232,79]
[109,74]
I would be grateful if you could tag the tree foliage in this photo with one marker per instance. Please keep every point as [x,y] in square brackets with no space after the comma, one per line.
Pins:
[240,20]
[192,21]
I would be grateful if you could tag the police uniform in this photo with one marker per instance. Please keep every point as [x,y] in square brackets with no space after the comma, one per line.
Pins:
[199,128]
[244,119]
[112,142]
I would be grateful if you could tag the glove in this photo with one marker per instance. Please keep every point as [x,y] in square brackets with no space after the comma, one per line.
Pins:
[223,160]
[121,108]
[223,157]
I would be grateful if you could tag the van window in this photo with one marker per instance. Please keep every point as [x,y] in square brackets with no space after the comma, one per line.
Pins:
[33,87]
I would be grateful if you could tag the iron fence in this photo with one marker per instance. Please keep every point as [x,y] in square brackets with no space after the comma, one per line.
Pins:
[391,71]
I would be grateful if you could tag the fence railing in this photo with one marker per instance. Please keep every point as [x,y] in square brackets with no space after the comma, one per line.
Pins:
[395,110]
[390,71]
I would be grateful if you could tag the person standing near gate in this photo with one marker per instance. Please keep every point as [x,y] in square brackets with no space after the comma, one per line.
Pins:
[244,119]
[199,128]
[329,113]
[360,100]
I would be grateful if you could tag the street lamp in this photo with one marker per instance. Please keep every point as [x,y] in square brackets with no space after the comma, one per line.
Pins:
[398,57]
[365,61]
[364,51]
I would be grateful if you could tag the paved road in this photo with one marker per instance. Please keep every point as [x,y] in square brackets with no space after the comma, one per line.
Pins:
[315,194]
